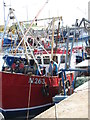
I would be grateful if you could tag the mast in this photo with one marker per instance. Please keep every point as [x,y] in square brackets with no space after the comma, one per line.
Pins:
[57,35]
[53,22]
[4,5]
[52,38]
[67,45]
[89,18]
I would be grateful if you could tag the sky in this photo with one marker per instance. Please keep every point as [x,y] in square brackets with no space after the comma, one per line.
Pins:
[70,10]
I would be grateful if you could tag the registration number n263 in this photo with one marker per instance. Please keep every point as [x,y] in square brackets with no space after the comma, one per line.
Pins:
[37,80]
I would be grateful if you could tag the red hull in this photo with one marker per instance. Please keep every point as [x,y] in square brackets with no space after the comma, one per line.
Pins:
[14,90]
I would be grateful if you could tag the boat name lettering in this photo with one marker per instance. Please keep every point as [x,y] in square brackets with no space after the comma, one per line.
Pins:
[37,80]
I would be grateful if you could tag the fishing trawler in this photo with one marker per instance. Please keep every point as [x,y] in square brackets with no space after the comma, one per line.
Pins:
[21,93]
[25,94]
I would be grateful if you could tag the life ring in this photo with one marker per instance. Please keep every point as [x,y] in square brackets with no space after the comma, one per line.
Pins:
[45,90]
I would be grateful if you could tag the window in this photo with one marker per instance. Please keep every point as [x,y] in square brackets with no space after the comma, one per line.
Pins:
[46,59]
[39,60]
[55,58]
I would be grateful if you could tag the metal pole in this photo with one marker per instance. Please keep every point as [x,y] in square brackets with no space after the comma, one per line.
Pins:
[5,28]
[67,43]
[72,47]
[63,84]
[52,38]
[4,10]
[57,35]
[89,17]
[82,54]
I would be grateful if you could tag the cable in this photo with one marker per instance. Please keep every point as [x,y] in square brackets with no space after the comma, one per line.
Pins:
[29,99]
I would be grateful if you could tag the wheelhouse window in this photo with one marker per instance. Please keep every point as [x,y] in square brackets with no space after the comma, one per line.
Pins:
[39,60]
[46,59]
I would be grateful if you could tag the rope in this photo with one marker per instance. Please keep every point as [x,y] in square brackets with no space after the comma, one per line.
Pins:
[31,24]
[37,41]
[29,99]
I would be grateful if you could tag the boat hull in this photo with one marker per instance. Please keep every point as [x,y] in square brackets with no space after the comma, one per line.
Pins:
[22,113]
[19,92]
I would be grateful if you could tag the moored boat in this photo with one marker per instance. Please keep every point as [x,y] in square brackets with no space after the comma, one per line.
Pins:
[19,90]
[23,92]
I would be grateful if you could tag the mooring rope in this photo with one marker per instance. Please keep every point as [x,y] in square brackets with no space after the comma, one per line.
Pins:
[29,99]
